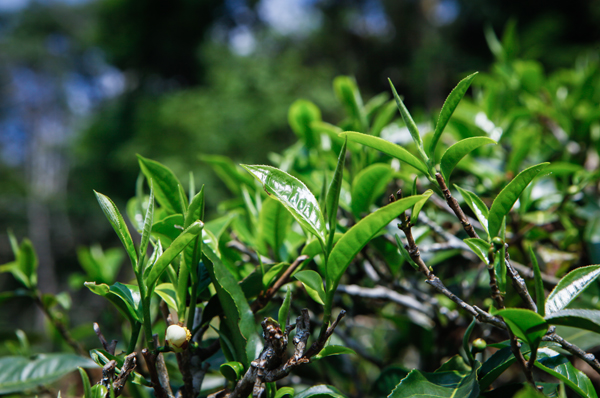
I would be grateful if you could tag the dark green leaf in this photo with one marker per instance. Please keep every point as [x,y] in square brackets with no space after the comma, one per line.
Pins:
[559,366]
[570,286]
[359,235]
[116,220]
[456,152]
[333,350]
[172,251]
[333,197]
[410,124]
[21,373]
[454,98]
[313,283]
[369,183]
[466,338]
[476,205]
[228,172]
[300,116]
[451,384]
[540,298]
[85,380]
[390,149]
[525,324]
[284,310]
[239,319]
[508,196]
[294,195]
[583,319]
[495,366]
[479,247]
[388,379]
[165,185]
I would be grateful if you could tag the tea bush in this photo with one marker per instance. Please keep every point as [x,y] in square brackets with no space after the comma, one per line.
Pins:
[400,259]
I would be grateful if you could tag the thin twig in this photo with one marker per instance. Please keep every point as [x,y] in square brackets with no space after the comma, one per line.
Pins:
[573,349]
[110,348]
[262,300]
[383,293]
[60,327]
[455,207]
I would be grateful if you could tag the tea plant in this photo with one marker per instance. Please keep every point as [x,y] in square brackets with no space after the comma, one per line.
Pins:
[310,239]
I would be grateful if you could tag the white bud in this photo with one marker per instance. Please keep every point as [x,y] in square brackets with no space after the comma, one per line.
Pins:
[178,337]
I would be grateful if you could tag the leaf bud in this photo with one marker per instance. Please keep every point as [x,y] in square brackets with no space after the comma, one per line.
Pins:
[479,345]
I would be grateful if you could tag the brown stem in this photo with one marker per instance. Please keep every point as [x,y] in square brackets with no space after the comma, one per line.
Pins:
[516,350]
[573,349]
[110,348]
[262,300]
[455,207]
[58,325]
[151,363]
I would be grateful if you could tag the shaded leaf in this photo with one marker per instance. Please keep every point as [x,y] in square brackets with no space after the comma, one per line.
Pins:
[21,373]
[333,197]
[284,310]
[540,298]
[232,371]
[559,366]
[476,205]
[125,297]
[459,150]
[570,286]
[414,215]
[386,147]
[479,247]
[147,227]
[228,172]
[333,350]
[320,391]
[167,292]
[347,93]
[509,195]
[273,224]
[410,124]
[451,384]
[583,319]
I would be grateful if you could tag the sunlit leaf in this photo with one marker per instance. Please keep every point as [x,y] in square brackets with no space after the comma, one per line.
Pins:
[333,350]
[479,247]
[368,183]
[571,286]
[333,197]
[525,324]
[476,205]
[559,366]
[165,185]
[300,116]
[583,319]
[313,283]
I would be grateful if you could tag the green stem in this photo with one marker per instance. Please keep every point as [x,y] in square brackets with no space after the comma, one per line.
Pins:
[145,295]
[182,286]
[135,333]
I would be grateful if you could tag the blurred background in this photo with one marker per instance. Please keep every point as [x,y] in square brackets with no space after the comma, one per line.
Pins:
[87,84]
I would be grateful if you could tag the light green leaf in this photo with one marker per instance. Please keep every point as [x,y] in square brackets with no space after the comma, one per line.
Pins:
[232,371]
[479,247]
[359,235]
[559,366]
[21,373]
[285,392]
[390,149]
[172,251]
[125,297]
[414,215]
[300,116]
[147,229]
[456,95]
[369,183]
[410,123]
[165,185]
[383,118]
[116,220]
[450,384]
[405,253]
[525,324]
[294,195]
[320,391]
[347,93]
[273,224]
[85,380]
[313,283]
[583,319]
[333,350]
[284,310]
[228,172]
[196,209]
[273,272]
[333,197]
[476,205]
[456,152]
[509,195]
[540,298]
[570,286]
[168,229]
[167,292]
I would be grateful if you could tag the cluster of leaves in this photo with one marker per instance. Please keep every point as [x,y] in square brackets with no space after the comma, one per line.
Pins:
[320,216]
